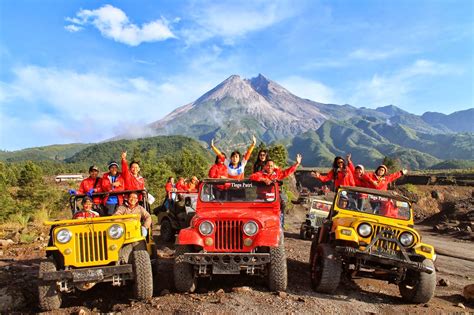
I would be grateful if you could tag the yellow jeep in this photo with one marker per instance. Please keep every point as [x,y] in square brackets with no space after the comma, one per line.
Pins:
[83,252]
[370,233]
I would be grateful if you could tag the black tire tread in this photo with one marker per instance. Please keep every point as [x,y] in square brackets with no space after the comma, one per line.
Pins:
[424,290]
[278,272]
[166,231]
[48,295]
[143,285]
[184,280]
[331,270]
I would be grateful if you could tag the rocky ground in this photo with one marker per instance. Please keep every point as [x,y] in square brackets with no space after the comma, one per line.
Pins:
[455,266]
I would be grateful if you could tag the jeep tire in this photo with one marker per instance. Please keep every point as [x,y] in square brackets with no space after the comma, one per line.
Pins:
[418,287]
[278,272]
[166,231]
[326,269]
[302,231]
[48,295]
[143,274]
[183,272]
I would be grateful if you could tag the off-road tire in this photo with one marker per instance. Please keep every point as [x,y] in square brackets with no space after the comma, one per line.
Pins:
[312,251]
[143,274]
[48,295]
[278,272]
[325,270]
[302,232]
[166,231]
[183,272]
[419,286]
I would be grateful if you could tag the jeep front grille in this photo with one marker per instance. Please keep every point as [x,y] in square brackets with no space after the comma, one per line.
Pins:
[91,246]
[229,235]
[386,232]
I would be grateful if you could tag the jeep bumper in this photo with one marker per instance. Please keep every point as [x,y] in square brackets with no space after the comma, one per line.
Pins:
[227,263]
[88,274]
[383,258]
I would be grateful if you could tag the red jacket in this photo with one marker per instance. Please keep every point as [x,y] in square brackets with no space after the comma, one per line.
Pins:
[85,214]
[89,183]
[107,186]
[181,186]
[344,178]
[381,183]
[131,182]
[217,171]
[277,174]
[169,187]
[358,181]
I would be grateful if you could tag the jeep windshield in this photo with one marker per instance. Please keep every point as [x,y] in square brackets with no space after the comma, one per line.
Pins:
[373,204]
[237,191]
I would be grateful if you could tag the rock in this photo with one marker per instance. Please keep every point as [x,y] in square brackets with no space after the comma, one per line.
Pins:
[443,282]
[461,305]
[468,229]
[468,292]
[300,299]
[164,292]
[282,294]
[9,302]
[220,291]
[434,194]
[1,252]
[241,289]
[426,305]
[6,243]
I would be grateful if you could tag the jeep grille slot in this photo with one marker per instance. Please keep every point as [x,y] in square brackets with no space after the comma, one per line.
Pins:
[229,235]
[91,246]
[391,233]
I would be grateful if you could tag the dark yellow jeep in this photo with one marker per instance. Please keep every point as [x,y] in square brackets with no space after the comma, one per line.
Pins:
[83,252]
[370,233]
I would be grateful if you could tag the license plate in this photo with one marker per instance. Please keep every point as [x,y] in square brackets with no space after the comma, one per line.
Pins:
[226,269]
[87,275]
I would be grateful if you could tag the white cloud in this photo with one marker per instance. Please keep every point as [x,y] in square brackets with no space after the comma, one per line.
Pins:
[395,88]
[113,23]
[73,28]
[310,89]
[374,54]
[233,19]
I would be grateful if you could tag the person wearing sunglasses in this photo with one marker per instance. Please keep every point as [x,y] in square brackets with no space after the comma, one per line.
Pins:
[340,173]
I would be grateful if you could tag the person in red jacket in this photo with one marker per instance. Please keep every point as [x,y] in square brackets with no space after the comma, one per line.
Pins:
[340,173]
[193,184]
[218,169]
[181,185]
[87,211]
[235,166]
[380,180]
[91,184]
[112,181]
[270,174]
[133,180]
[170,192]
[357,173]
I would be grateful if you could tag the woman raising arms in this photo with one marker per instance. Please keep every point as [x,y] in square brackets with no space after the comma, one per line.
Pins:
[235,166]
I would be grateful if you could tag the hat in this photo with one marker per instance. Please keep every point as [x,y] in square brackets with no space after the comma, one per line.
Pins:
[113,163]
[85,199]
[361,167]
[382,166]
[93,168]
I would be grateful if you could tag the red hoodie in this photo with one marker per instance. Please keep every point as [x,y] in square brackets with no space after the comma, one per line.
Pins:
[131,182]
[218,171]
[344,178]
[359,181]
[107,186]
[381,183]
[89,183]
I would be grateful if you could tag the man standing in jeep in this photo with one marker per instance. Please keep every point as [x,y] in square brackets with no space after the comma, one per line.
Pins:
[90,185]
[271,173]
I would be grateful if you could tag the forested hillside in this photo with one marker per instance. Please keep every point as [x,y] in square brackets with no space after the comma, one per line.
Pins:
[58,152]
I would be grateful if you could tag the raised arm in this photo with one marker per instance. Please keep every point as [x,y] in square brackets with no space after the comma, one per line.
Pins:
[323,178]
[290,170]
[215,149]
[250,149]
[125,171]
[350,165]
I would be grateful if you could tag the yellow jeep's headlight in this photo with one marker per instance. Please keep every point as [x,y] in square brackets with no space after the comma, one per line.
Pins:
[406,239]
[364,229]
[206,228]
[250,228]
[63,236]
[115,231]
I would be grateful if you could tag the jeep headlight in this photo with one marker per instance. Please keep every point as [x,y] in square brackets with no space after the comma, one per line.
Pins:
[206,228]
[364,229]
[63,236]
[406,239]
[250,228]
[115,231]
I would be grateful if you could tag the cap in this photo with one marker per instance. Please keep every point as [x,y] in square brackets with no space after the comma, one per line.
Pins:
[361,167]
[382,166]
[93,168]
[113,163]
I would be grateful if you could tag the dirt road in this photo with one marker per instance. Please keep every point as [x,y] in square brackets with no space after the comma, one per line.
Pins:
[19,267]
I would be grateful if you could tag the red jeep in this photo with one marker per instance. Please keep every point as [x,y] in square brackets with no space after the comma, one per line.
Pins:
[236,229]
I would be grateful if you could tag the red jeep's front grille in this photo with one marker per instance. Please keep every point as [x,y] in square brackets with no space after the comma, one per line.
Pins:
[229,235]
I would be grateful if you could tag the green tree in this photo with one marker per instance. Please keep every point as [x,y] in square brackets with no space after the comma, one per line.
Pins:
[279,155]
[392,164]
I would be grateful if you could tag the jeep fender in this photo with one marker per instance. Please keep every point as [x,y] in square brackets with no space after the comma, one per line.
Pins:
[425,250]
[339,236]
[189,237]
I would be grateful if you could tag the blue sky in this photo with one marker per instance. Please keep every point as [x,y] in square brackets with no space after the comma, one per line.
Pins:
[84,71]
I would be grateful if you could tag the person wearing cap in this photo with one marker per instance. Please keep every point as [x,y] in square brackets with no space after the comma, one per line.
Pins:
[340,173]
[218,169]
[86,211]
[134,208]
[92,184]
[133,180]
[112,182]
[357,172]
[380,180]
